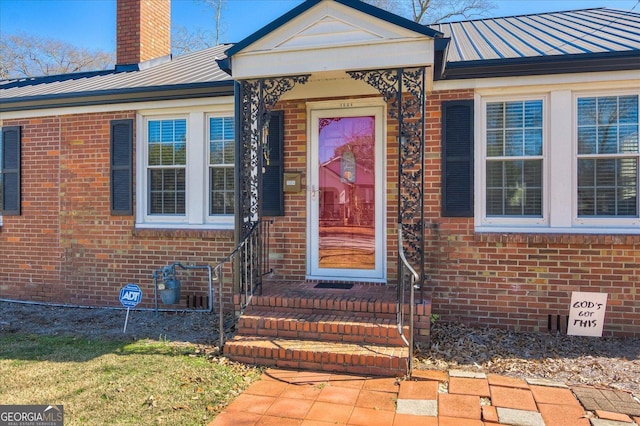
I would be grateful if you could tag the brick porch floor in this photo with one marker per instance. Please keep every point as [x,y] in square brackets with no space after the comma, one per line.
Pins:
[432,398]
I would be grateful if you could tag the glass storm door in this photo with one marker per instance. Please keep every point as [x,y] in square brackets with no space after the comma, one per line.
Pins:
[346,195]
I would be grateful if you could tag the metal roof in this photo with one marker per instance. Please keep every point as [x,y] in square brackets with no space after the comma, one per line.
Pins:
[157,79]
[572,41]
[588,31]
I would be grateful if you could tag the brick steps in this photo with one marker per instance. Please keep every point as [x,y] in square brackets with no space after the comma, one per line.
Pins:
[319,355]
[328,327]
[295,325]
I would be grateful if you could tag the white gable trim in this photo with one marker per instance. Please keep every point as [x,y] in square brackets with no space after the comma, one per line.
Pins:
[332,37]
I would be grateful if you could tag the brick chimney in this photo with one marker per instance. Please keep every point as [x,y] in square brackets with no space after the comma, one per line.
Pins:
[143,30]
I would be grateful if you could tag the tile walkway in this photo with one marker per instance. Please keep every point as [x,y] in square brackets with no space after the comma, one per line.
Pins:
[432,398]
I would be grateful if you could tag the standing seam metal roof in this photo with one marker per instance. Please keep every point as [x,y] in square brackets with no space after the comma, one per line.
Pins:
[614,34]
[194,69]
[585,31]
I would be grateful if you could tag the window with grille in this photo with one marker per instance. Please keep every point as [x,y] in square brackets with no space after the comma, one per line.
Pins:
[167,164]
[514,159]
[185,171]
[607,156]
[221,165]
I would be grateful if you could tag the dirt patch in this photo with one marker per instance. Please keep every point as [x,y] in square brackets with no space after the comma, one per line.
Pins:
[193,327]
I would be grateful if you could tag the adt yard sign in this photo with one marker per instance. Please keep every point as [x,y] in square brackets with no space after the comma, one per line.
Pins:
[130,295]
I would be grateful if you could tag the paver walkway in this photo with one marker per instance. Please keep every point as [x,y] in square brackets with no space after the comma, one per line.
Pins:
[431,398]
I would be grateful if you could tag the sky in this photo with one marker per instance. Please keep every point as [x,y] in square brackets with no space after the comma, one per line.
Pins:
[91,23]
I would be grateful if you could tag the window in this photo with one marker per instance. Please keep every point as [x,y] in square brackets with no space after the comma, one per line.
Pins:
[562,162]
[221,165]
[514,163]
[186,171]
[607,155]
[167,164]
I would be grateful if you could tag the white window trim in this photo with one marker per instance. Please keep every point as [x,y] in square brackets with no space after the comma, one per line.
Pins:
[491,222]
[560,168]
[197,173]
[226,221]
[610,223]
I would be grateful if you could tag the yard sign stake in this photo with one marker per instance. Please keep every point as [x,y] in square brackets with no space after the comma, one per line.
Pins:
[130,296]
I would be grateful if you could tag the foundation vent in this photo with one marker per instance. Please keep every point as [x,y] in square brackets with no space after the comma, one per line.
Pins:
[558,324]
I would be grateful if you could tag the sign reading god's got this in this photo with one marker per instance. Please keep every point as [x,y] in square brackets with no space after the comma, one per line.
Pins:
[586,314]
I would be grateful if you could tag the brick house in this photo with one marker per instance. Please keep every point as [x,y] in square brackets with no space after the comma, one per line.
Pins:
[496,161]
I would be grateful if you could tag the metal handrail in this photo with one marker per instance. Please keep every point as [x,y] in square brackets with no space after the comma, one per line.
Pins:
[400,311]
[247,263]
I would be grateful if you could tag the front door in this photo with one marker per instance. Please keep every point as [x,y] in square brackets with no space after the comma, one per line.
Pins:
[346,193]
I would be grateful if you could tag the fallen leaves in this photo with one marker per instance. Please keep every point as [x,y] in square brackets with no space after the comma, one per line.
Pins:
[611,362]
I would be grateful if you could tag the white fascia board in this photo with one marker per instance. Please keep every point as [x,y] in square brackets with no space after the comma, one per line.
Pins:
[525,84]
[208,104]
[382,55]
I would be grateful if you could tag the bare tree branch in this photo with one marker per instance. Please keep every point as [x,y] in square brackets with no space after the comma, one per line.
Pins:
[23,55]
[468,9]
[435,11]
[216,6]
[419,9]
[186,40]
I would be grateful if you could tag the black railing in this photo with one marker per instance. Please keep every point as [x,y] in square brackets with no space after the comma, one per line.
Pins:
[244,269]
[407,279]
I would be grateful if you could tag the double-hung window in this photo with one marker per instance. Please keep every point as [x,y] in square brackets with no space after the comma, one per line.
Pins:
[221,165]
[166,166]
[576,171]
[186,171]
[513,162]
[607,158]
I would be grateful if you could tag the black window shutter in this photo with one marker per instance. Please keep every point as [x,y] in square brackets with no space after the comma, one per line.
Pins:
[122,167]
[457,158]
[10,170]
[272,179]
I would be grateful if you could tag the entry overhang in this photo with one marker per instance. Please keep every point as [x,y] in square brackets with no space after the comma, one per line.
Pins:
[332,35]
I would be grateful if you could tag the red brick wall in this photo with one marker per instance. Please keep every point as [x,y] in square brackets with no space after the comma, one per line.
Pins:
[516,281]
[512,281]
[29,244]
[143,30]
[66,247]
[289,232]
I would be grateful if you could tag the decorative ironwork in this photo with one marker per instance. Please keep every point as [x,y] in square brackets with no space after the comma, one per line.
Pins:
[404,91]
[256,100]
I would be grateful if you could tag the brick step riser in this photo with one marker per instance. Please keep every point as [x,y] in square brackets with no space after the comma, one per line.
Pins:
[319,361]
[321,331]
[335,312]
[322,306]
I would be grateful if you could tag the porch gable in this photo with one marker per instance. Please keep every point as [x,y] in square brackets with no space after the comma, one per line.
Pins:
[332,35]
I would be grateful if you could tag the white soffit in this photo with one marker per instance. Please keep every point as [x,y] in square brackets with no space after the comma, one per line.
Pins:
[331,37]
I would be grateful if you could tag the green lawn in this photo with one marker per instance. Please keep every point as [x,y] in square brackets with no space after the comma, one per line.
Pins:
[103,382]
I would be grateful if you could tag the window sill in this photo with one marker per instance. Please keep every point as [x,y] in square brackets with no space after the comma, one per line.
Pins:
[199,233]
[558,235]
